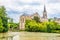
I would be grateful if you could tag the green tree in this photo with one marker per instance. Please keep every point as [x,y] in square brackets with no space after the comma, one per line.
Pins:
[4,18]
[37,19]
[1,25]
[50,26]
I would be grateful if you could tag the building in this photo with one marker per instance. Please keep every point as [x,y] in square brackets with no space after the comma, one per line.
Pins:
[57,20]
[30,17]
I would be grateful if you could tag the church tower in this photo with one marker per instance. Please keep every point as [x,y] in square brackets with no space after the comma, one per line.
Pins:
[45,13]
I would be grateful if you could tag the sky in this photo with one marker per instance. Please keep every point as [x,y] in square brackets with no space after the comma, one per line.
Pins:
[15,8]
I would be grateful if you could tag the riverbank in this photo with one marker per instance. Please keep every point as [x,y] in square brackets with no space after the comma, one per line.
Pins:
[32,35]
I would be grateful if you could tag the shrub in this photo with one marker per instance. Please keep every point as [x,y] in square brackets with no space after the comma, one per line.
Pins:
[33,26]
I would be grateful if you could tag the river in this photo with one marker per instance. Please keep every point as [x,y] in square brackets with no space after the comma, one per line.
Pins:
[29,36]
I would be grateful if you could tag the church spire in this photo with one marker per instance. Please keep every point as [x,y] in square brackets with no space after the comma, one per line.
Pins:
[44,8]
[44,13]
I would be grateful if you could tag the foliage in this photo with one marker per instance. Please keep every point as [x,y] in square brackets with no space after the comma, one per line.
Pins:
[50,26]
[1,25]
[34,26]
[3,20]
[37,19]
[14,25]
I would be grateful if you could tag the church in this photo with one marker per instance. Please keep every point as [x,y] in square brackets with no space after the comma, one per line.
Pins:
[25,17]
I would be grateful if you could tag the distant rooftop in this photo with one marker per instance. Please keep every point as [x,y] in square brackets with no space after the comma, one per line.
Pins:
[25,14]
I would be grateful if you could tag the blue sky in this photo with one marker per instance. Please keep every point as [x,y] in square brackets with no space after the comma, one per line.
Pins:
[15,8]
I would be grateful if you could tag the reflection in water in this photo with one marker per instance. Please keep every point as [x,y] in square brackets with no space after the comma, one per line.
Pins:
[9,36]
[16,37]
[29,36]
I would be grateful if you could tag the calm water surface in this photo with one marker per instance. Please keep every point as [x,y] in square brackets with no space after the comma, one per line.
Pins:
[29,36]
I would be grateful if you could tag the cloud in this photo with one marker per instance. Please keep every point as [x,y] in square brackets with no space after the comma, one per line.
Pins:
[15,8]
[31,1]
[53,7]
[53,1]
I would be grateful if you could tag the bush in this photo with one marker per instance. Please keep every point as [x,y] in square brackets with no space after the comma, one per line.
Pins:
[33,26]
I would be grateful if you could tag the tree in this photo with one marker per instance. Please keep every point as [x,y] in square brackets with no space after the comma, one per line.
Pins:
[4,19]
[1,25]
[37,19]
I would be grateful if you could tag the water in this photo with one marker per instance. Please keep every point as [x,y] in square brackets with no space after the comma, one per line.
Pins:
[29,36]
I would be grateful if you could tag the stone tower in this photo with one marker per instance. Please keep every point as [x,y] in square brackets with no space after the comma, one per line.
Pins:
[22,23]
[45,13]
[23,18]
